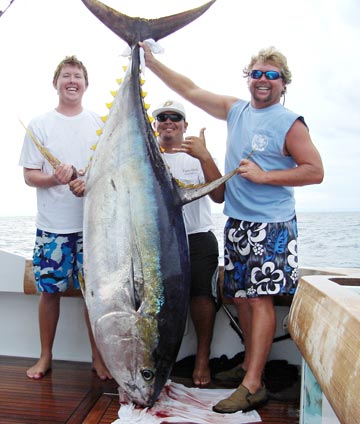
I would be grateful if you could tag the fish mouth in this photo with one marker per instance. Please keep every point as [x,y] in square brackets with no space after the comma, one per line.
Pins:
[128,357]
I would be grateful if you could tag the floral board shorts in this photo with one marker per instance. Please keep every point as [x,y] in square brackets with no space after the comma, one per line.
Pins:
[260,258]
[56,258]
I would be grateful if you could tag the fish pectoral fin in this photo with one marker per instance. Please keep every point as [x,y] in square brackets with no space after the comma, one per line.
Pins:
[134,288]
[191,192]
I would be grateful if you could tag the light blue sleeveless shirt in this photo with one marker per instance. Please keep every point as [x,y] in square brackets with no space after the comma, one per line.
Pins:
[262,132]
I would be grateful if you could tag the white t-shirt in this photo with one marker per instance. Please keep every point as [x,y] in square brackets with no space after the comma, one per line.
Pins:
[197,214]
[70,140]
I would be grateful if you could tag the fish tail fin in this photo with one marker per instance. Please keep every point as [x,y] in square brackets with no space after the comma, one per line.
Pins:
[134,29]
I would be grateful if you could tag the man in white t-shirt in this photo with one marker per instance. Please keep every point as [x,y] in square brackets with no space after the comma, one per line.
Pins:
[68,132]
[191,163]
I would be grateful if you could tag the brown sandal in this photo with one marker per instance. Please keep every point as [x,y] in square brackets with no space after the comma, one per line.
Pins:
[242,400]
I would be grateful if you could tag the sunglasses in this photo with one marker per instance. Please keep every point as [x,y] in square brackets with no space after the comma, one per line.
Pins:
[270,75]
[174,117]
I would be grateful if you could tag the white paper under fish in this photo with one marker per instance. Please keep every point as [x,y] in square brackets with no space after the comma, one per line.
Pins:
[180,404]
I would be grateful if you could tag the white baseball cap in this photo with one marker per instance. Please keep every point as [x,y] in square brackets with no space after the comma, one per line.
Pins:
[169,106]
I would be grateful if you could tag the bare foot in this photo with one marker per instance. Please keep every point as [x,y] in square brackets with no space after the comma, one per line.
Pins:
[99,367]
[38,371]
[201,375]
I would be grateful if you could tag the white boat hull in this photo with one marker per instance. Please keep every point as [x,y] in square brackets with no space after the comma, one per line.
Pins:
[19,311]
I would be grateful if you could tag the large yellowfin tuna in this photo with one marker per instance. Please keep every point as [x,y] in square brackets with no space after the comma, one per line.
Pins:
[136,257]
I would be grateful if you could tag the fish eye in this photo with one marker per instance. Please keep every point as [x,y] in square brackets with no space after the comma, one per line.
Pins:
[147,374]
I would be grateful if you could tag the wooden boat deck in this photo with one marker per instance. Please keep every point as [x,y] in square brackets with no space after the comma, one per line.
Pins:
[71,393]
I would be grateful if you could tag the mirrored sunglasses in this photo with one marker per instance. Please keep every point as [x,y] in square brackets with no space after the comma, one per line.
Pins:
[270,75]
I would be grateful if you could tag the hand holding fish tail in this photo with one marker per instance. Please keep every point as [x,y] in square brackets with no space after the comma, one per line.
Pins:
[154,47]
[167,75]
[214,104]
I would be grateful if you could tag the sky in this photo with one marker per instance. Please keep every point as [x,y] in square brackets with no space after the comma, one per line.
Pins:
[320,38]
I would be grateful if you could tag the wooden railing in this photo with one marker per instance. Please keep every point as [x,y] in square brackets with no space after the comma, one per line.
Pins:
[30,287]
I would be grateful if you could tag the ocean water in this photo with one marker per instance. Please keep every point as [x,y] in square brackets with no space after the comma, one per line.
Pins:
[325,239]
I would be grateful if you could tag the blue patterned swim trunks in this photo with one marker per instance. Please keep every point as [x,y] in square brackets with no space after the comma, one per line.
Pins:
[57,257]
[260,258]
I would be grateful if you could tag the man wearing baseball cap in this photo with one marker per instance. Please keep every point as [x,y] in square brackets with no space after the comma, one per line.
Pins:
[191,163]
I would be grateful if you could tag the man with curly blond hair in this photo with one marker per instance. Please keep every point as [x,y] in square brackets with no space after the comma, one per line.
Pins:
[273,152]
